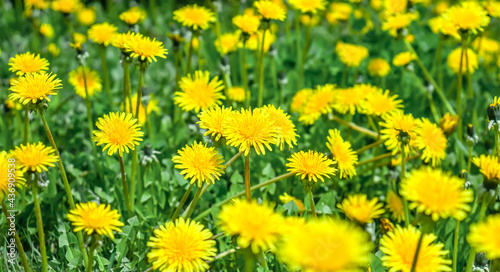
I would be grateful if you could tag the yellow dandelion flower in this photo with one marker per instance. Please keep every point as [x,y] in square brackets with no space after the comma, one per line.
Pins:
[493,8]
[314,246]
[102,33]
[395,123]
[448,123]
[378,67]
[286,198]
[483,236]
[489,166]
[350,54]
[134,15]
[236,94]
[342,153]
[145,49]
[11,105]
[85,76]
[79,37]
[402,59]
[338,12]
[27,63]
[398,21]
[437,194]
[194,16]
[380,103]
[34,157]
[395,6]
[256,225]
[300,99]
[152,106]
[54,50]
[351,99]
[441,7]
[183,245]
[311,165]
[37,4]
[376,4]
[10,173]
[122,40]
[248,23]
[86,16]
[270,10]
[213,119]
[46,30]
[227,43]
[432,141]
[395,205]
[309,20]
[198,92]
[199,163]
[118,131]
[247,129]
[319,102]
[34,88]
[284,126]
[308,6]
[93,218]
[456,57]
[468,16]
[400,247]
[444,26]
[254,41]
[361,209]
[67,6]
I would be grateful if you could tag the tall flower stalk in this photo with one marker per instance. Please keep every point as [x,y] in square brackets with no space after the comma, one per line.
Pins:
[105,72]
[33,178]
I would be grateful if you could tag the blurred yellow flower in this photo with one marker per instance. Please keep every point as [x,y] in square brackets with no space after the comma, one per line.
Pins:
[300,99]
[394,6]
[380,103]
[308,6]
[86,16]
[448,123]
[47,30]
[143,112]
[350,54]
[194,16]
[270,10]
[67,6]
[342,153]
[236,93]
[247,23]
[484,236]
[198,92]
[134,15]
[351,99]
[378,67]
[402,59]
[227,43]
[432,141]
[311,165]
[102,33]
[54,50]
[425,189]
[468,16]
[254,41]
[199,163]
[319,102]
[455,58]
[85,76]
[489,167]
[286,198]
[361,209]
[395,205]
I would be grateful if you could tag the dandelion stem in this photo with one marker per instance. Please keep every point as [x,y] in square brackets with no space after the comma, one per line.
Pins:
[26,124]
[230,161]
[261,70]
[482,213]
[105,72]
[39,222]
[93,247]
[455,246]
[255,187]
[19,245]
[415,258]
[127,94]
[190,54]
[183,201]
[247,178]
[355,127]
[264,261]
[469,161]
[244,75]
[304,55]
[366,147]
[377,158]
[402,177]
[431,80]
[311,202]
[459,91]
[125,185]
[64,177]
[187,214]
[224,254]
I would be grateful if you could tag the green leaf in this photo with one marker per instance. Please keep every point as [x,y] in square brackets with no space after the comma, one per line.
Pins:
[291,208]
[133,221]
[376,264]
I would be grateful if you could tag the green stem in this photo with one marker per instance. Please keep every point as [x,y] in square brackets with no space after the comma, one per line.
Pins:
[39,222]
[455,246]
[469,161]
[428,76]
[125,185]
[496,151]
[64,177]
[247,178]
[377,158]
[244,74]
[127,93]
[255,187]
[183,201]
[190,55]
[459,92]
[415,258]
[355,127]
[105,72]
[187,214]
[264,261]
[261,70]
[26,124]
[311,202]
[429,96]
[366,147]
[304,56]
[402,177]
[95,244]
[19,245]
[139,91]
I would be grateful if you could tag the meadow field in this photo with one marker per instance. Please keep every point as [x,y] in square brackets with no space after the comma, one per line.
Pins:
[252,135]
